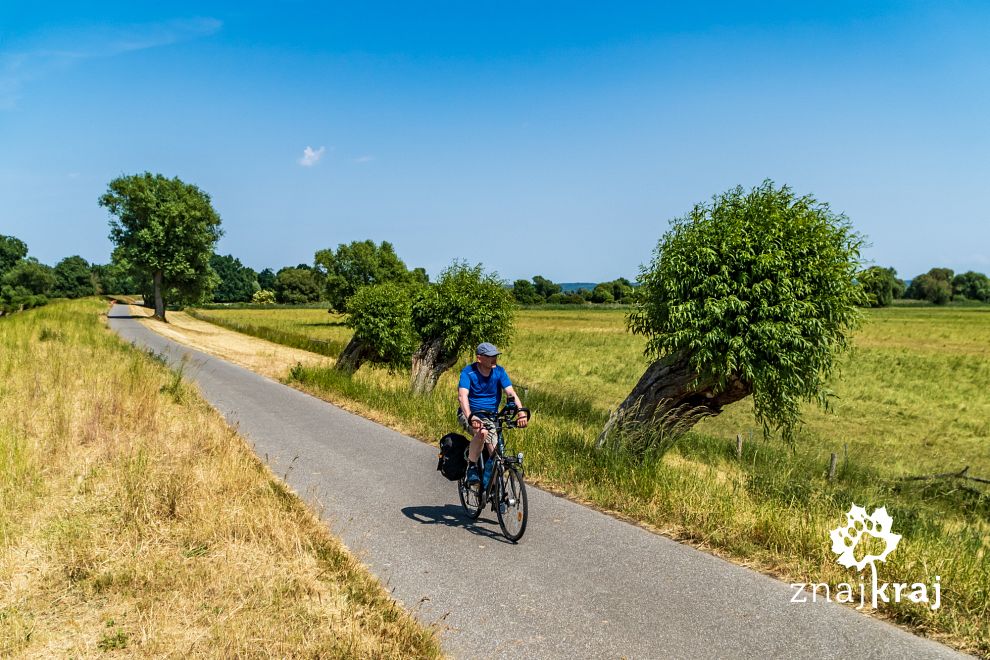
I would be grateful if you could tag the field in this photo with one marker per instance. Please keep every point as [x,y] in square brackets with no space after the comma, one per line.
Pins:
[913,395]
[134,522]
[911,400]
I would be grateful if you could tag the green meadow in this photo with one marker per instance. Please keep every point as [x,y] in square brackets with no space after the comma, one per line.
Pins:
[911,400]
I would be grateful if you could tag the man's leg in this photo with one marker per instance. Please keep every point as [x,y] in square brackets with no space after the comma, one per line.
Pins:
[477,442]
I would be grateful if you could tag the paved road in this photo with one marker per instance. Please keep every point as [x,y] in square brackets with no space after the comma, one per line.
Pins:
[580,584]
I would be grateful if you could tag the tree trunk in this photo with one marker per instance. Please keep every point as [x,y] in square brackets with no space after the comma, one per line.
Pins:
[353,356]
[159,302]
[428,363]
[665,399]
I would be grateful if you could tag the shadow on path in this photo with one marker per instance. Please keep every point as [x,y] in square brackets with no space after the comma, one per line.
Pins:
[130,316]
[452,515]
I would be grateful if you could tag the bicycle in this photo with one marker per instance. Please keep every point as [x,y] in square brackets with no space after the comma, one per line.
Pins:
[506,489]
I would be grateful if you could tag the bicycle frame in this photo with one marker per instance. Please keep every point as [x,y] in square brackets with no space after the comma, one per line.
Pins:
[499,456]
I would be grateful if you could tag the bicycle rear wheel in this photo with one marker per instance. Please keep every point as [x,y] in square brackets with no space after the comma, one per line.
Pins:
[512,508]
[470,497]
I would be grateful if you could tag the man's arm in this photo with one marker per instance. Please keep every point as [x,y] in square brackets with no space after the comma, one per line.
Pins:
[523,419]
[462,397]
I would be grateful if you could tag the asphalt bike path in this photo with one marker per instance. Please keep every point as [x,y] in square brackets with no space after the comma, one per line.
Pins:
[580,584]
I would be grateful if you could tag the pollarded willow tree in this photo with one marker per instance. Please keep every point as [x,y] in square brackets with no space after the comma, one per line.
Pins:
[381,316]
[754,294]
[464,308]
[165,230]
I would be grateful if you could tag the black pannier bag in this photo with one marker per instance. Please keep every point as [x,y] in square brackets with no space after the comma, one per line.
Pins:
[452,463]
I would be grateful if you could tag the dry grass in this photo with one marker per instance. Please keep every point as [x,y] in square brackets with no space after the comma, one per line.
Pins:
[134,521]
[263,357]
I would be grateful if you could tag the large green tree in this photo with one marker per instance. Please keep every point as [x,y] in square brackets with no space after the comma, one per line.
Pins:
[754,293]
[935,286]
[74,278]
[266,279]
[12,250]
[358,264]
[880,285]
[544,287]
[602,293]
[622,290]
[972,285]
[296,286]
[464,308]
[525,293]
[27,284]
[165,229]
[237,282]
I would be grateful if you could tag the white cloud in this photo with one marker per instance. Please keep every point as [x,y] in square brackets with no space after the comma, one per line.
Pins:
[311,157]
[364,159]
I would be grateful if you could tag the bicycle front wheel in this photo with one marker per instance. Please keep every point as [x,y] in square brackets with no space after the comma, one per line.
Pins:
[512,507]
[470,497]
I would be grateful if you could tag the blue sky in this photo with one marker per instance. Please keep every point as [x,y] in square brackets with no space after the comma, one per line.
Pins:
[537,138]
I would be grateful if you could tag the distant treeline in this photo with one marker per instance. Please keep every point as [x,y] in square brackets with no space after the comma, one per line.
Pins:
[938,286]
[336,275]
[25,282]
[540,291]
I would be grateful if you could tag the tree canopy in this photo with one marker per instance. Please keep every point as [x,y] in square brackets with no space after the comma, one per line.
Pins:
[164,229]
[237,282]
[602,293]
[26,284]
[935,286]
[12,250]
[465,307]
[266,279]
[295,286]
[358,264]
[752,293]
[381,316]
[880,285]
[114,278]
[73,278]
[544,287]
[972,286]
[525,293]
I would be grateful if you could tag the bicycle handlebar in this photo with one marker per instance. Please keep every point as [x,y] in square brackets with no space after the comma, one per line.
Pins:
[508,416]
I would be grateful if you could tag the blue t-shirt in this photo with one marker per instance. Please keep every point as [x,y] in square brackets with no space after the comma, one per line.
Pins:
[484,393]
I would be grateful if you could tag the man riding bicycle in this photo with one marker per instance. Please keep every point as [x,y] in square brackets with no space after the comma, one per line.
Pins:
[480,390]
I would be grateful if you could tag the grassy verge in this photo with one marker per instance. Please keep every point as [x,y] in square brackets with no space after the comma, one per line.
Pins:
[133,520]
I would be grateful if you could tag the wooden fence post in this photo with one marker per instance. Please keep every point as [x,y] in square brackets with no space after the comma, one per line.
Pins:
[831,466]
[738,445]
